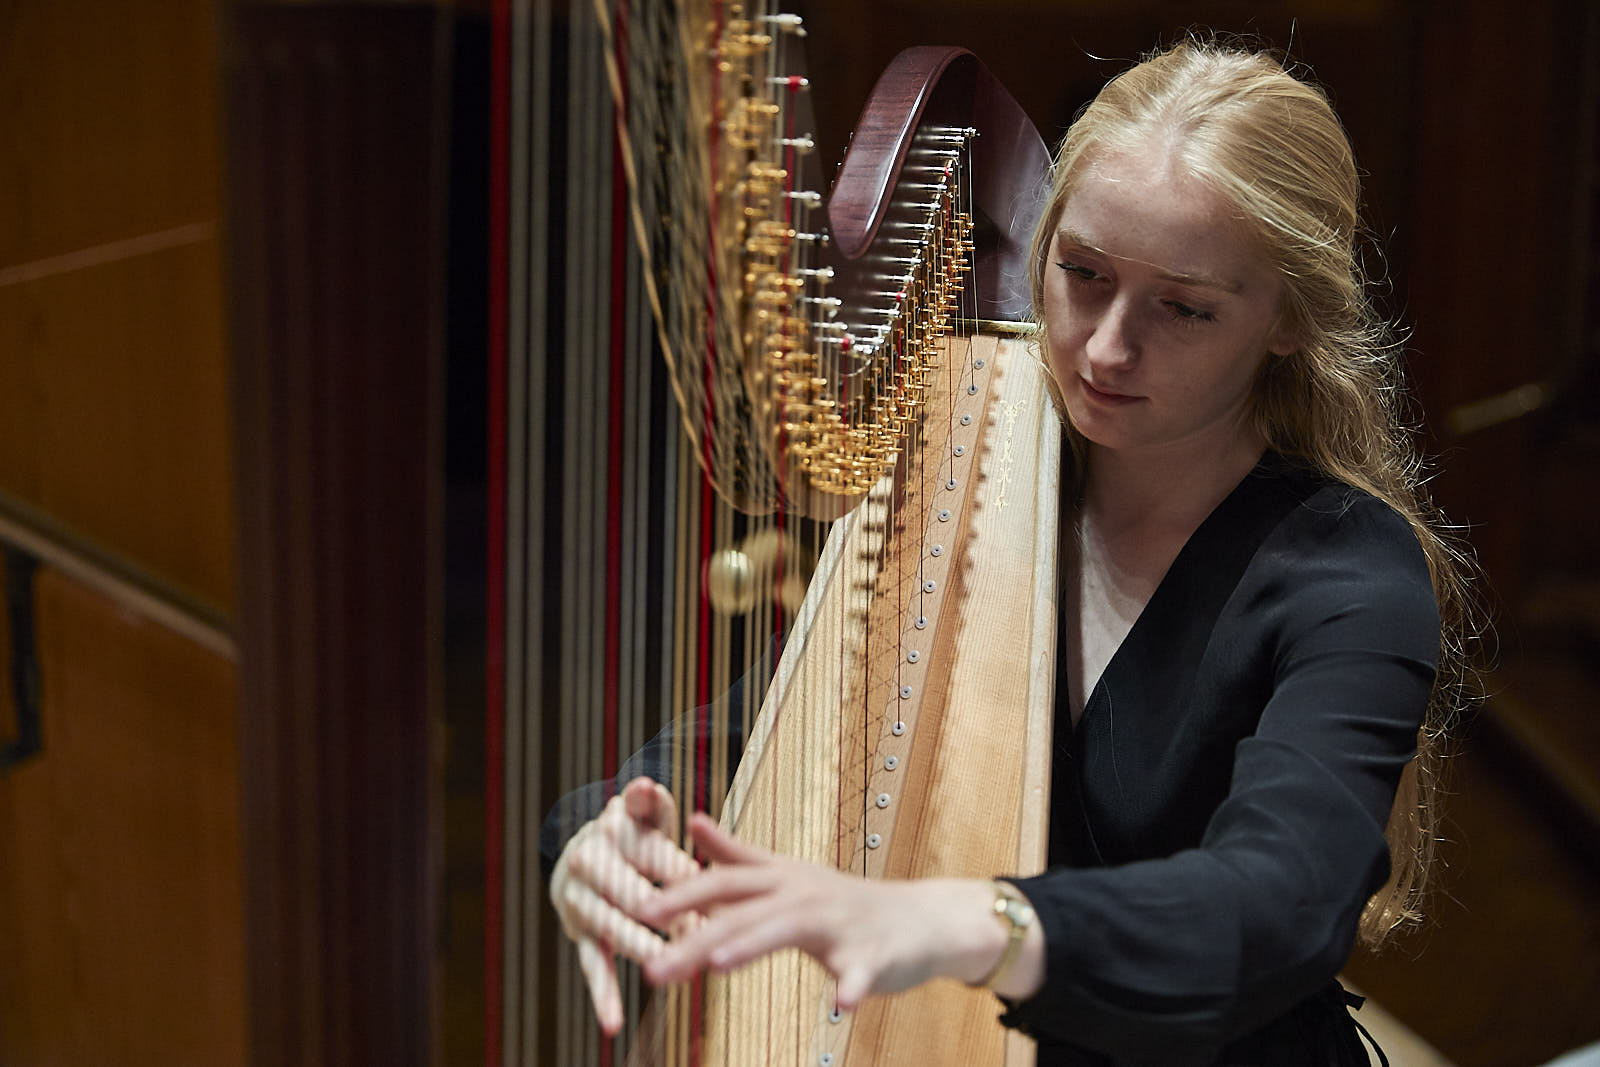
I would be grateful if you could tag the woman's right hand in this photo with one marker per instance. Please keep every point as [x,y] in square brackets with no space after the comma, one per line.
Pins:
[605,875]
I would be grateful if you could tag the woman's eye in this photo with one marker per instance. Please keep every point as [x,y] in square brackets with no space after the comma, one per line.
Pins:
[1077,270]
[1184,313]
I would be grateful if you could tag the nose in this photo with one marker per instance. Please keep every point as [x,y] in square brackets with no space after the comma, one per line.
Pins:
[1114,343]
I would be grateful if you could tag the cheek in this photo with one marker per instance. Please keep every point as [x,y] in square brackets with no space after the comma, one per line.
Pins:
[1059,346]
[1063,329]
[1231,381]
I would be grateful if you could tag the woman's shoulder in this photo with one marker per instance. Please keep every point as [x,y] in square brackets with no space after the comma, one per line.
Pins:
[1339,550]
[1330,515]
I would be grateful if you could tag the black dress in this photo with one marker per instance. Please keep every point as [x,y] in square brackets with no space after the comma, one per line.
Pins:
[1217,816]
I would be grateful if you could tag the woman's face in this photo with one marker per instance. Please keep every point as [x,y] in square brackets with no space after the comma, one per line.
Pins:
[1158,307]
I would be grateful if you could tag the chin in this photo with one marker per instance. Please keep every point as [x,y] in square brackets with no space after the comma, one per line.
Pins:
[1094,431]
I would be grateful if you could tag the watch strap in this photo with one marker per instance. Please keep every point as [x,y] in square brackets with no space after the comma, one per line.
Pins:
[1017,913]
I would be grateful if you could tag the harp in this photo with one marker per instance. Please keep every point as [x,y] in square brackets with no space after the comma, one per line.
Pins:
[810,405]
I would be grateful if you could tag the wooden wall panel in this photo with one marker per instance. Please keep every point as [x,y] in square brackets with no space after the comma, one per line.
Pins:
[110,125]
[1489,234]
[120,896]
[116,411]
[1495,227]
[119,849]
[113,360]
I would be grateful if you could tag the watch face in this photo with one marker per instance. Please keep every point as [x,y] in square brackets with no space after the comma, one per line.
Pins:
[1019,912]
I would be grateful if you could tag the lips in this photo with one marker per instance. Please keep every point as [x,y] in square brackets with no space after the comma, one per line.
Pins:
[1104,396]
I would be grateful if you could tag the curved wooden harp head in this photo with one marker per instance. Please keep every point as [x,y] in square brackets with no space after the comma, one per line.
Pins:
[839,359]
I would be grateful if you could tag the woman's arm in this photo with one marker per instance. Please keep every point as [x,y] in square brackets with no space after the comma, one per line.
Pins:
[872,936]
[1174,955]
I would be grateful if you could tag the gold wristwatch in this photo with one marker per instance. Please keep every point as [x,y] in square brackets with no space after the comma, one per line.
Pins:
[1018,915]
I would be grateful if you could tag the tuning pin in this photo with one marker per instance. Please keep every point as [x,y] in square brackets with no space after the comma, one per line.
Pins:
[787,23]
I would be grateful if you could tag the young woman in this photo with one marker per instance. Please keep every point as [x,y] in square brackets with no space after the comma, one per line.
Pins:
[1261,636]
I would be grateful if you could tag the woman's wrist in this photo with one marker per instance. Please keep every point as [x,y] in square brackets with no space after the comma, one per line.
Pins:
[1012,909]
[985,939]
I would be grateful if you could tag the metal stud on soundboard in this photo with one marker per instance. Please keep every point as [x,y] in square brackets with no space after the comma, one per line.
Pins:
[936,550]
[883,800]
[891,762]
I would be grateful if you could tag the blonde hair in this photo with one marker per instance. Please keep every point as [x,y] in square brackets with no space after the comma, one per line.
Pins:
[1271,145]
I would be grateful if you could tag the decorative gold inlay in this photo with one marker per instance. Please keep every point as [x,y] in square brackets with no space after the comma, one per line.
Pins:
[1008,412]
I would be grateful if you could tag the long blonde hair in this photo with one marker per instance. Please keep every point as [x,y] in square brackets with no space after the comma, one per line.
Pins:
[1271,145]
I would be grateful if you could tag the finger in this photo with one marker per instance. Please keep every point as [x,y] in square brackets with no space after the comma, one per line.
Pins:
[597,864]
[711,889]
[855,982]
[685,924]
[719,846]
[599,919]
[751,935]
[648,849]
[734,936]
[653,853]
[649,802]
[600,974]
[560,877]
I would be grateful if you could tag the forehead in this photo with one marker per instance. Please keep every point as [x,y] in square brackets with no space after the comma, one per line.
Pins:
[1142,207]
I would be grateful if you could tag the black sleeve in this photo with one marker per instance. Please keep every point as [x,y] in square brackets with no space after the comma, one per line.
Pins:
[1171,959]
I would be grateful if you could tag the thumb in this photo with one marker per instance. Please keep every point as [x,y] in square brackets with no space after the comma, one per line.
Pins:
[855,982]
[647,801]
[719,846]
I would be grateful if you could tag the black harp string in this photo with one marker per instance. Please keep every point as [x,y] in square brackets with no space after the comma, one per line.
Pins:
[578,1041]
[527,409]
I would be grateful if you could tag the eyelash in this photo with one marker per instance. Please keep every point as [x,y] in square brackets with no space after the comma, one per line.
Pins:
[1188,316]
[1075,271]
[1177,311]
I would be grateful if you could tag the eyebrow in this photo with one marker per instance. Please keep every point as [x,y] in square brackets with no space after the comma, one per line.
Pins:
[1205,281]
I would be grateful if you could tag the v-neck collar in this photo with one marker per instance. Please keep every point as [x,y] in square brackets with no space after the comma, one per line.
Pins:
[1197,584]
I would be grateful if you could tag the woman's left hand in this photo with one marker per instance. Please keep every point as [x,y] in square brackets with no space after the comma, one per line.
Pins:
[872,936]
